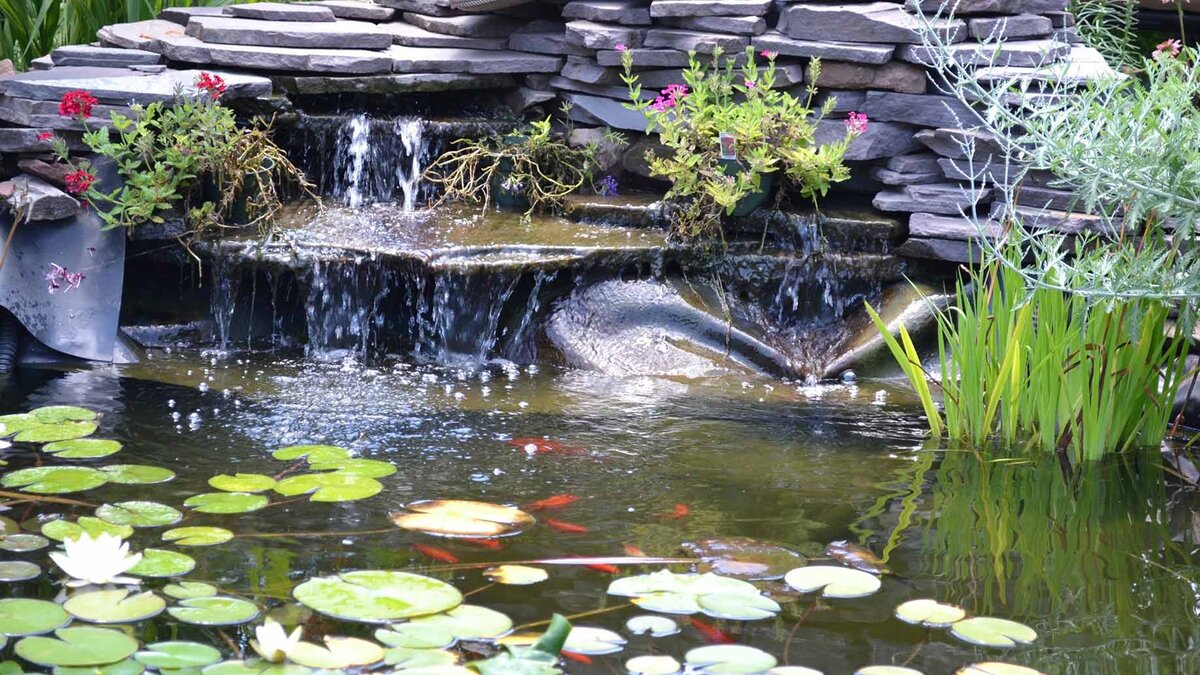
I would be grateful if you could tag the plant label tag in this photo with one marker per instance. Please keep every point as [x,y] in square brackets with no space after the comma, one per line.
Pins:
[728,145]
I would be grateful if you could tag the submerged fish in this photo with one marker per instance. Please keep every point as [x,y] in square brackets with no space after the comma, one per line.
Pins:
[555,502]
[858,557]
[680,512]
[602,567]
[634,551]
[711,633]
[439,554]
[544,446]
[577,658]
[490,544]
[570,528]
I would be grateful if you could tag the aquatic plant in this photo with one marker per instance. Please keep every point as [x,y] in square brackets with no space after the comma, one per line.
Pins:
[273,643]
[102,559]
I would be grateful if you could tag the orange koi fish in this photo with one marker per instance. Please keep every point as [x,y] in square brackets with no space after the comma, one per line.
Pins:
[544,446]
[570,528]
[604,567]
[634,551]
[438,554]
[577,658]
[711,633]
[555,502]
[680,512]
[489,544]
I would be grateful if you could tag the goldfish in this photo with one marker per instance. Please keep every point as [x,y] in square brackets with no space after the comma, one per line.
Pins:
[578,658]
[603,567]
[555,502]
[439,554]
[680,512]
[570,528]
[490,544]
[711,633]
[634,551]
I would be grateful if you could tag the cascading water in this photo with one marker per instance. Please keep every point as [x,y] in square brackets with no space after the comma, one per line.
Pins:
[411,135]
[354,144]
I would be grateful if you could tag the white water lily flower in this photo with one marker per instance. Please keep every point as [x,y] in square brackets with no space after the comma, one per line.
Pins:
[273,644]
[99,560]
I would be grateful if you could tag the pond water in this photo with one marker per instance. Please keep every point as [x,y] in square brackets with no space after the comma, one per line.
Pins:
[1103,568]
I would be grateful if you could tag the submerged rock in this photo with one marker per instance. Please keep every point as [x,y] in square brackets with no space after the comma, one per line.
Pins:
[903,304]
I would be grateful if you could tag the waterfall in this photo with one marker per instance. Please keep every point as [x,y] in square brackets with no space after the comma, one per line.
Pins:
[411,135]
[379,161]
[354,151]
[222,296]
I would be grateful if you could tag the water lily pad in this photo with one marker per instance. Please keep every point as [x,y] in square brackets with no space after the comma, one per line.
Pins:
[737,607]
[886,670]
[77,646]
[997,668]
[468,622]
[22,543]
[242,482]
[54,479]
[48,433]
[160,563]
[226,502]
[62,530]
[987,631]
[654,626]
[115,606]
[177,655]
[214,611]
[793,670]
[126,667]
[186,590]
[56,414]
[669,603]
[198,536]
[368,468]
[461,518]
[255,667]
[18,570]
[82,448]
[729,659]
[930,613]
[670,593]
[137,474]
[329,487]
[11,424]
[377,596]
[313,453]
[405,659]
[743,558]
[416,636]
[516,575]
[337,653]
[8,525]
[593,641]
[652,665]
[832,581]
[24,616]
[138,514]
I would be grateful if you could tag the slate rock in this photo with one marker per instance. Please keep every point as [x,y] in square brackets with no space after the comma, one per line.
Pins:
[930,225]
[181,15]
[288,59]
[665,8]
[357,10]
[894,76]
[523,98]
[895,178]
[620,93]
[279,11]
[1063,222]
[634,159]
[38,201]
[590,73]
[915,162]
[41,63]
[950,199]
[1049,198]
[356,35]
[125,86]
[965,7]
[606,111]
[625,12]
[1009,27]
[844,100]
[736,25]
[392,84]
[878,22]
[1015,53]
[139,34]
[479,62]
[921,110]
[542,41]
[17,140]
[105,57]
[409,35]
[644,58]
[947,250]
[471,25]
[949,142]
[882,139]
[689,41]
[980,172]
[785,76]
[53,173]
[857,52]
[1060,19]
[34,113]
[426,7]
[7,69]
[604,36]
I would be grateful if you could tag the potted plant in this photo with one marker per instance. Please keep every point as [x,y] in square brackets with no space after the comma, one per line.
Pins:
[732,139]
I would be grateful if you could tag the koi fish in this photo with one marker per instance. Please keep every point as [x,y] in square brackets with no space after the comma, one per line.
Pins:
[634,551]
[438,554]
[555,502]
[544,446]
[603,567]
[570,528]
[577,658]
[711,633]
[680,512]
[489,544]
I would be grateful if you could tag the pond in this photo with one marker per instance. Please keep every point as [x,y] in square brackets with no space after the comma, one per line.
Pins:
[1102,568]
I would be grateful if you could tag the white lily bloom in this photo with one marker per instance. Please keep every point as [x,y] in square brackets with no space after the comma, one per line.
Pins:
[99,560]
[273,644]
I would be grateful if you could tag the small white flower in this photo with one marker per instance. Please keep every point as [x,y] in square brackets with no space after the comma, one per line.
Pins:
[273,644]
[99,560]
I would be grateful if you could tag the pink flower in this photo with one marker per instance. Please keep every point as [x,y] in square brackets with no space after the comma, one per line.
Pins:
[768,54]
[45,136]
[213,84]
[77,103]
[1168,49]
[856,123]
[751,84]
[621,47]
[58,277]
[670,97]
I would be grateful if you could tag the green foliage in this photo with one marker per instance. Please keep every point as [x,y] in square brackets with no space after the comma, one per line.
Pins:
[773,130]
[1110,27]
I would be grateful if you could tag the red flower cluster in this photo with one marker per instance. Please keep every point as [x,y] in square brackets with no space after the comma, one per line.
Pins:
[79,181]
[213,84]
[46,136]
[77,103]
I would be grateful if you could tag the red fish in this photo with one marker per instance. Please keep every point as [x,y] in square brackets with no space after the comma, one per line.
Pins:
[439,554]
[577,658]
[634,551]
[555,502]
[544,446]
[603,567]
[680,512]
[570,528]
[489,544]
[711,633]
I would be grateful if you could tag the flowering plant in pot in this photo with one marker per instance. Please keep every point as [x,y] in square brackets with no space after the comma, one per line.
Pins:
[731,137]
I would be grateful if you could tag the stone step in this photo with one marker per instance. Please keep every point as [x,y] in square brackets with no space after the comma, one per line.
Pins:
[408,35]
[182,15]
[125,86]
[391,84]
[288,59]
[359,10]
[475,61]
[471,25]
[280,11]
[356,35]
[105,57]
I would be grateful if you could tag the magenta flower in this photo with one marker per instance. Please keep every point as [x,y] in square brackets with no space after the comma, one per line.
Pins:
[1167,48]
[670,97]
[768,54]
[621,47]
[751,84]
[856,123]
[59,280]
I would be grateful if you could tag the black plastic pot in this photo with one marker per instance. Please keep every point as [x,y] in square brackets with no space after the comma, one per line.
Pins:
[765,192]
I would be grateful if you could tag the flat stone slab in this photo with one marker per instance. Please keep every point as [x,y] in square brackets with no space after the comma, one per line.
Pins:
[582,70]
[394,84]
[663,8]
[950,199]
[346,61]
[39,201]
[965,7]
[644,58]
[947,250]
[953,143]
[422,60]
[426,7]
[916,162]
[894,76]
[737,25]
[546,40]
[139,34]
[28,112]
[1013,53]
[357,35]
[408,35]
[878,22]
[279,11]
[689,41]
[472,25]
[357,10]
[930,225]
[607,111]
[923,110]
[20,139]
[181,15]
[625,12]
[128,86]
[107,57]
[857,52]
[882,139]
[604,36]
[1009,27]
[900,178]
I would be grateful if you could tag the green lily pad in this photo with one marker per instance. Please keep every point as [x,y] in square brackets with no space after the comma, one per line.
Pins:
[255,667]
[226,502]
[377,596]
[416,636]
[516,575]
[198,536]
[329,487]
[242,482]
[313,453]
[405,659]
[886,670]
[22,543]
[214,611]
[593,641]
[737,607]
[115,606]
[997,668]
[652,625]
[669,603]
[157,562]
[137,474]
[177,655]
[186,590]
[987,631]
[77,646]
[126,667]
[367,468]
[62,530]
[469,622]
[18,570]
[82,448]
[138,514]
[24,616]
[49,433]
[832,581]
[729,659]
[47,480]
[929,613]
[57,414]
[8,525]
[717,596]
[652,665]
[793,670]
[13,424]
[337,653]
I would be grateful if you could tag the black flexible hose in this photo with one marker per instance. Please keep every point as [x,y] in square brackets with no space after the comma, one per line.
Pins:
[10,340]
